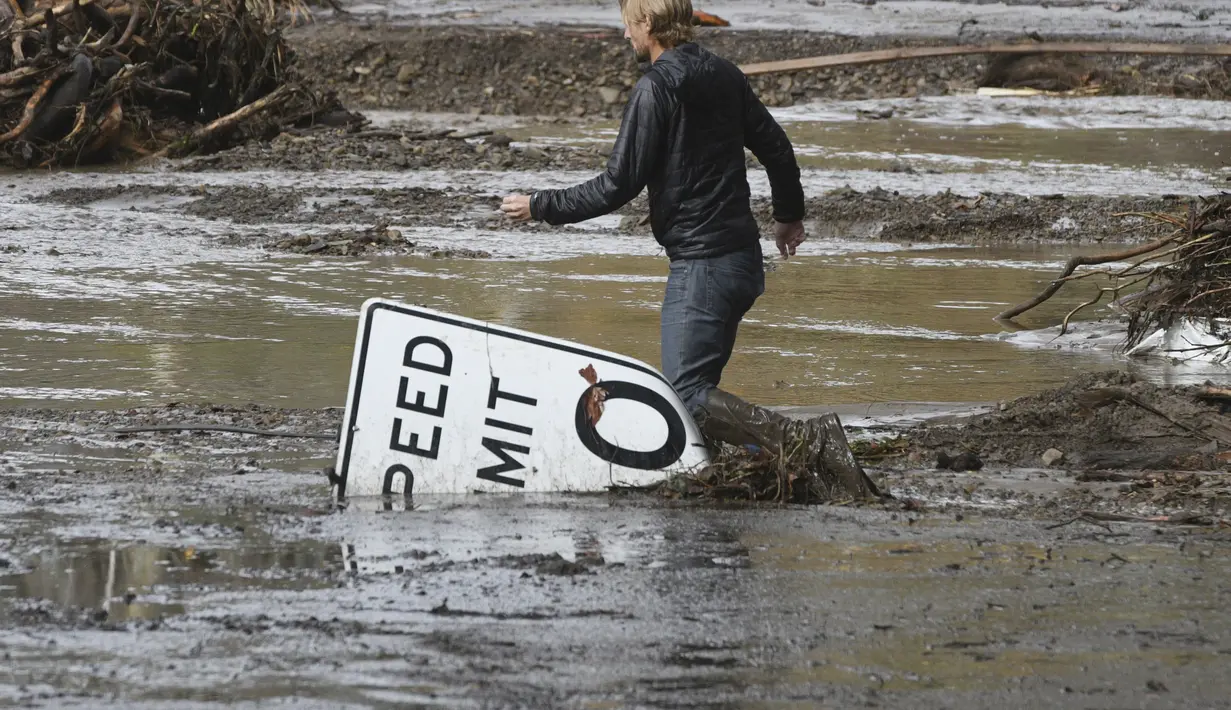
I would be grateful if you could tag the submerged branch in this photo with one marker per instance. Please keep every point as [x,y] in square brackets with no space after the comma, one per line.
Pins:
[1073,264]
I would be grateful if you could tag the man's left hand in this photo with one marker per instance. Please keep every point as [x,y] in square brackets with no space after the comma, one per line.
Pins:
[516,207]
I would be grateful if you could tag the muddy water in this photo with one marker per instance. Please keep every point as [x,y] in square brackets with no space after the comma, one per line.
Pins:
[841,323]
[1022,145]
[186,575]
[130,299]
[148,581]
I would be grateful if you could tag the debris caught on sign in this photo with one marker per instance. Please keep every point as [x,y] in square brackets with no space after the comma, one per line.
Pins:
[597,395]
[739,473]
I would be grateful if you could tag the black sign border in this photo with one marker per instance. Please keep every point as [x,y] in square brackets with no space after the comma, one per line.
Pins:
[344,471]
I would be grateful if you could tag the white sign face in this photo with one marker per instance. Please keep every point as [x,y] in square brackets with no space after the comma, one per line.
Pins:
[444,404]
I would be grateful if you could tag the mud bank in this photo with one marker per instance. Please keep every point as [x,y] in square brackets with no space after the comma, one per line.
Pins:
[839,214]
[588,72]
[379,239]
[947,217]
[383,149]
[1096,422]
[1106,429]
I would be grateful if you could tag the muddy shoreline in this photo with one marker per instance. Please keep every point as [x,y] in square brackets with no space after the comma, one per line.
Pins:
[587,72]
[1101,424]
[1159,446]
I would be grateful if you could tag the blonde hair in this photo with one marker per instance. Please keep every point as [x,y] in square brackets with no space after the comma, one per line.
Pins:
[670,20]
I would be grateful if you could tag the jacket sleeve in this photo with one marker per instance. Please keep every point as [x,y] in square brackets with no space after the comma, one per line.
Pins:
[637,151]
[769,143]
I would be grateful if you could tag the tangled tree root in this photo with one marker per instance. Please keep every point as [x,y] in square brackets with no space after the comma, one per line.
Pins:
[1195,282]
[90,81]
[1186,274]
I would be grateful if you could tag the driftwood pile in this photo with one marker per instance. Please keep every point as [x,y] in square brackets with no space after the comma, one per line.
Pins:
[90,81]
[1184,275]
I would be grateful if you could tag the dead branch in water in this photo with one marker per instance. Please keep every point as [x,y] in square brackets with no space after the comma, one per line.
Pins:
[882,56]
[56,12]
[220,428]
[1212,392]
[1095,517]
[135,9]
[1189,281]
[1072,265]
[19,76]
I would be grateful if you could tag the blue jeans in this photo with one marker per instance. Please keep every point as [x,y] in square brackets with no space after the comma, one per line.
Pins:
[704,303]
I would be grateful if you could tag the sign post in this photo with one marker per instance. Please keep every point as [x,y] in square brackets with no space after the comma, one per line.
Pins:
[444,404]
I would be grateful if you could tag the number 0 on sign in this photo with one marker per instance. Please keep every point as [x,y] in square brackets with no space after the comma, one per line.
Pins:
[444,404]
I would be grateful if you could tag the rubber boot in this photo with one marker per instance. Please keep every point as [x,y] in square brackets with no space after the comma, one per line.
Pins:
[820,442]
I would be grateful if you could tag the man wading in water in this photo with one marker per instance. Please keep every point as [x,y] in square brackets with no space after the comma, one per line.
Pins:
[683,134]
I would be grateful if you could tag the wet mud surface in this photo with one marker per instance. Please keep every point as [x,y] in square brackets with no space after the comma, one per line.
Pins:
[838,214]
[1156,447]
[388,150]
[588,72]
[174,569]
[379,239]
[948,217]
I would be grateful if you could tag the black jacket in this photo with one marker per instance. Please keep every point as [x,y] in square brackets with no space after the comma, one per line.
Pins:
[684,131]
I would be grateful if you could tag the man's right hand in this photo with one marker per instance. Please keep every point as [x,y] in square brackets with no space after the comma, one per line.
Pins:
[516,207]
[788,235]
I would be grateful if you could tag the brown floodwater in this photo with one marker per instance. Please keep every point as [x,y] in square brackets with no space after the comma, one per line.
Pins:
[840,323]
[129,300]
[1024,145]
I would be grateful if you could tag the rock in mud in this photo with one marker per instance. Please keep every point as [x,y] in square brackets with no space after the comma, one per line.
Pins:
[965,461]
[1052,457]
[560,567]
[499,140]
